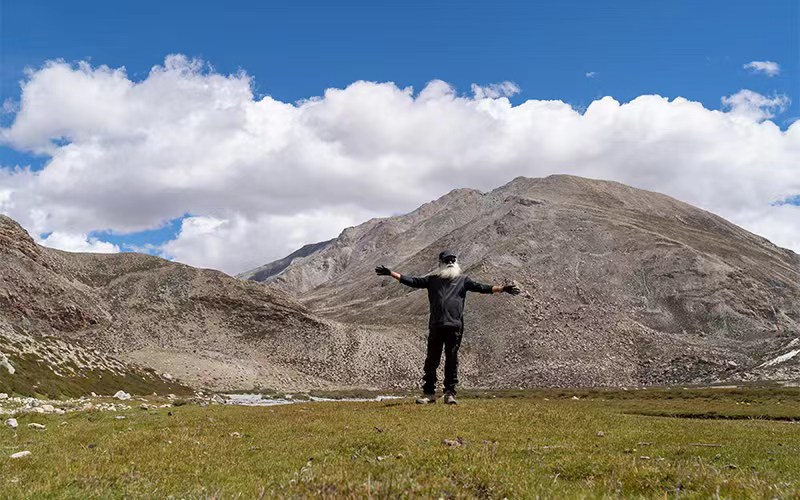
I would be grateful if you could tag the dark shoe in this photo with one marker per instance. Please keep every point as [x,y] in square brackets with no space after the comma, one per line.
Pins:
[426,399]
[450,398]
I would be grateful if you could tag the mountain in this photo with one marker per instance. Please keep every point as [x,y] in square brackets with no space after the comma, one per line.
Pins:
[621,286]
[267,271]
[71,323]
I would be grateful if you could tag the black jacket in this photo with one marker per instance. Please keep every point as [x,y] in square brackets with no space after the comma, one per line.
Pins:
[446,297]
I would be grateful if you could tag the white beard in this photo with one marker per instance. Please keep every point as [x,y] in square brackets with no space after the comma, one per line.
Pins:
[449,271]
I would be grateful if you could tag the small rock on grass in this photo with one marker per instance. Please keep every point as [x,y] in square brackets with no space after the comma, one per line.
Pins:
[122,395]
[20,454]
[600,434]
[12,422]
[34,425]
[235,435]
[454,443]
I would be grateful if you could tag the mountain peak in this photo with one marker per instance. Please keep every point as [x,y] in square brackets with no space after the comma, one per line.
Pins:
[606,267]
[14,237]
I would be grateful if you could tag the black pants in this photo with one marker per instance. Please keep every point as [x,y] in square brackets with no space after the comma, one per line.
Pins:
[448,337]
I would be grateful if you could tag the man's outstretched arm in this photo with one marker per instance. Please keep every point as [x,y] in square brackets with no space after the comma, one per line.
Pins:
[411,281]
[474,286]
[512,289]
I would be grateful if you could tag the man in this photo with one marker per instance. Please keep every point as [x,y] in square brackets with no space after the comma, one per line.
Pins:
[447,290]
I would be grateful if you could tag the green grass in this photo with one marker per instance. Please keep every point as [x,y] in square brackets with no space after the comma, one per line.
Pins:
[514,445]
[35,376]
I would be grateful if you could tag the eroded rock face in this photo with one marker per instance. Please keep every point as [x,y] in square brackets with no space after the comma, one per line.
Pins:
[621,286]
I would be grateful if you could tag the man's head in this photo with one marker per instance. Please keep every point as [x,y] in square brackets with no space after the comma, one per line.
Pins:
[448,265]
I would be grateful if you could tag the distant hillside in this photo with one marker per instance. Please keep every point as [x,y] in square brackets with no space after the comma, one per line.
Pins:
[76,322]
[267,271]
[622,286]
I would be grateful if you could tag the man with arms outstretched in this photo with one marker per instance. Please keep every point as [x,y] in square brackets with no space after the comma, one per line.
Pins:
[447,289]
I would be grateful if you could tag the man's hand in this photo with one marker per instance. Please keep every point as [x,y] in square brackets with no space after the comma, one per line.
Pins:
[383,271]
[512,289]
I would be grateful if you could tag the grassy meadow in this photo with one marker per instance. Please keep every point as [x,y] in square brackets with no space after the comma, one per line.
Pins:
[701,443]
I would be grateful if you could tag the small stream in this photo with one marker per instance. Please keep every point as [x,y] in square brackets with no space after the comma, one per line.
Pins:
[263,400]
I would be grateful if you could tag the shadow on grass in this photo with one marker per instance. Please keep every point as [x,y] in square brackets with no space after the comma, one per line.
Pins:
[712,415]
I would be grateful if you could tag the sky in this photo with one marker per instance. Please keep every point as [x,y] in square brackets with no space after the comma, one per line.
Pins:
[227,136]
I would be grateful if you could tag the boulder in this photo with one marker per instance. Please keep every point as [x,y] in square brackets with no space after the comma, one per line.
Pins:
[7,364]
[122,395]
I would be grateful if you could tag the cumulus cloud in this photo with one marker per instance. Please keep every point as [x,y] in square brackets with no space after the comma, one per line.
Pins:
[590,74]
[768,68]
[753,106]
[495,90]
[262,177]
[240,243]
[73,242]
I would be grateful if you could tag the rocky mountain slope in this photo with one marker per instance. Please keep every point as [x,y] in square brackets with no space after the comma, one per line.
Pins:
[267,271]
[96,321]
[622,286]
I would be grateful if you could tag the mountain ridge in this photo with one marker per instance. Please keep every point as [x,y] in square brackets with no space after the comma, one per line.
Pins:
[146,314]
[680,278]
[621,287]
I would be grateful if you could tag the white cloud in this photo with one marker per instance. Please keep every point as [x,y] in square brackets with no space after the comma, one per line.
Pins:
[590,74]
[73,242]
[768,68]
[262,177]
[753,106]
[9,107]
[495,90]
[239,243]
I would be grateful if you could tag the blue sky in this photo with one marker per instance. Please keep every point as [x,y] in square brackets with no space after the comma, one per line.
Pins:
[295,50]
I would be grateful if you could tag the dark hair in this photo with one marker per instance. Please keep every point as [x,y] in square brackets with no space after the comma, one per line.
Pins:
[446,254]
